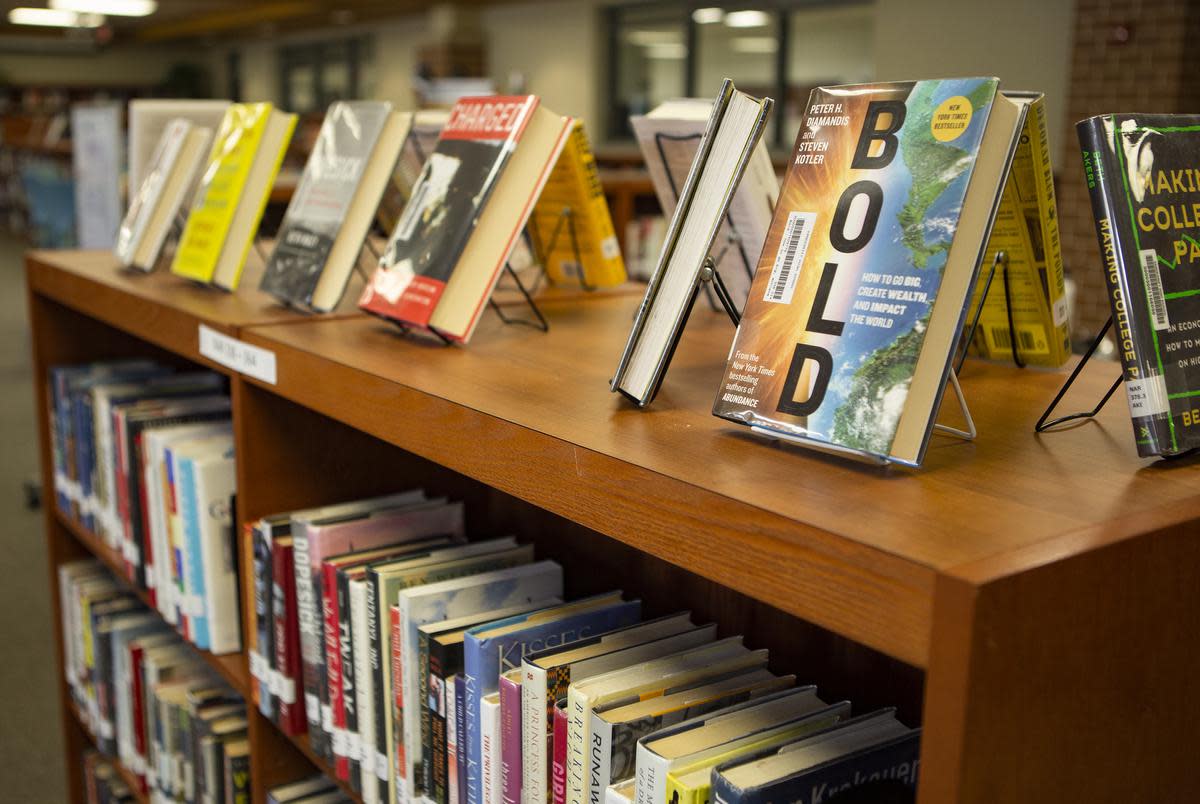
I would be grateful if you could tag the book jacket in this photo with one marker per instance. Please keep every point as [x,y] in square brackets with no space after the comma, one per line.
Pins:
[846,283]
[1143,173]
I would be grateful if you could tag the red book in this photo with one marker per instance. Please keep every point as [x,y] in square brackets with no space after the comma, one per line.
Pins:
[397,664]
[333,669]
[285,674]
[136,652]
[144,509]
[448,198]
[558,768]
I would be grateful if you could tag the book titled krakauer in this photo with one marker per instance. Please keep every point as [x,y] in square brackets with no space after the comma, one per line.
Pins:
[1143,173]
[848,337]
[468,209]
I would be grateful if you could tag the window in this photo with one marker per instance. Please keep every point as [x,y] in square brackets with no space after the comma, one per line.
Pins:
[664,50]
[316,74]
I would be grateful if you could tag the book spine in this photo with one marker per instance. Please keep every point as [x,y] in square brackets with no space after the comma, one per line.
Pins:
[475,655]
[431,670]
[306,605]
[600,748]
[358,718]
[285,675]
[1144,384]
[262,653]
[577,725]
[652,771]
[458,794]
[345,690]
[536,722]
[510,740]
[237,773]
[489,750]
[395,745]
[446,782]
[331,698]
[215,487]
[190,512]
[380,667]
[558,765]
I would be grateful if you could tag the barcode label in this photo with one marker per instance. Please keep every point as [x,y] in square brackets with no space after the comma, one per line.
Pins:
[790,257]
[1028,340]
[1147,396]
[1154,291]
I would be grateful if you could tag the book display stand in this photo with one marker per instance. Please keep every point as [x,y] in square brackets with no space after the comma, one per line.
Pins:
[1045,423]
[1000,261]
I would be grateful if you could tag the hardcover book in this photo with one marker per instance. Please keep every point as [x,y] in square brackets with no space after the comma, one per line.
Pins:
[1143,173]
[468,208]
[332,208]
[149,118]
[857,307]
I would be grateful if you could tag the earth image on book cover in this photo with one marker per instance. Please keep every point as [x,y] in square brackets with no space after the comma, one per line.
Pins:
[878,306]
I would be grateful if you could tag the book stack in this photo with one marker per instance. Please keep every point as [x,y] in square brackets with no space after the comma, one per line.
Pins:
[147,698]
[426,667]
[143,457]
[102,784]
[319,789]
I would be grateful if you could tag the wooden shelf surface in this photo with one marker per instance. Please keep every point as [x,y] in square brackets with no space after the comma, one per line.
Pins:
[232,667]
[849,546]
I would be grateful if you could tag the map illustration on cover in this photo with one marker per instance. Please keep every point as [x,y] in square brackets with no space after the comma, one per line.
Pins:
[318,208]
[842,298]
[446,203]
[1143,173]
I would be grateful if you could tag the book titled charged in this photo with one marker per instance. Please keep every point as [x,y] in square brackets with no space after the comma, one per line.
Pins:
[1143,173]
[855,312]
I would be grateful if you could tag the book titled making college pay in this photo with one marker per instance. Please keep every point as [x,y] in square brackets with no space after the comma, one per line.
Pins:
[848,336]
[1143,173]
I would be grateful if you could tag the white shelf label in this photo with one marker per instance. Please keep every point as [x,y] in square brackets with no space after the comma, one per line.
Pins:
[243,358]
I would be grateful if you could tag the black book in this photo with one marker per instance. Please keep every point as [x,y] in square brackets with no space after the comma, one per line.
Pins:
[1143,174]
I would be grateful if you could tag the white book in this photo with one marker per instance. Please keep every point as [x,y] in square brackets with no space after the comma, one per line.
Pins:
[215,483]
[620,793]
[364,691]
[421,605]
[149,118]
[489,736]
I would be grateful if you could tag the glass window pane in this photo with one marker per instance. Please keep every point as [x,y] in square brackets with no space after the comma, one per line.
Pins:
[651,60]
[830,44]
[738,43]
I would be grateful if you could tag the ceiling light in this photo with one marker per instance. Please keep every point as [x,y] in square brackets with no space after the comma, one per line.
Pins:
[649,38]
[707,16]
[747,19]
[54,18]
[754,44]
[117,8]
[667,52]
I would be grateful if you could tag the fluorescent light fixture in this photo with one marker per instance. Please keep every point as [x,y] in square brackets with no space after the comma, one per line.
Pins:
[747,19]
[116,8]
[54,18]
[667,52]
[754,44]
[707,16]
[651,37]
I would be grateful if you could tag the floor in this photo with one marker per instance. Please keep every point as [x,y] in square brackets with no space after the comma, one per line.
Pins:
[30,745]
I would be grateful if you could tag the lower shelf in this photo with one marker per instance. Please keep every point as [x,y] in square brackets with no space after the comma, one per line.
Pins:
[129,777]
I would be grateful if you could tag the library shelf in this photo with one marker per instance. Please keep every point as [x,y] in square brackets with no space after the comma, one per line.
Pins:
[129,777]
[1019,596]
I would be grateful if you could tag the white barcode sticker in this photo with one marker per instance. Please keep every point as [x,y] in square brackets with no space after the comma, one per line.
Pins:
[312,708]
[353,745]
[258,666]
[1060,312]
[327,717]
[339,742]
[368,760]
[790,257]
[1147,396]
[1154,291]
[381,766]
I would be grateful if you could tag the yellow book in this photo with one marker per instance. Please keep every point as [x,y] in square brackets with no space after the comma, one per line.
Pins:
[574,185]
[233,192]
[1026,229]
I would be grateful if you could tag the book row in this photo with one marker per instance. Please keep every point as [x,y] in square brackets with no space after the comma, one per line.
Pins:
[425,667]
[143,457]
[859,283]
[102,783]
[146,697]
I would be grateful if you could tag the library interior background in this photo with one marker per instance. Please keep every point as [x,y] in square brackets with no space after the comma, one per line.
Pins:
[1022,603]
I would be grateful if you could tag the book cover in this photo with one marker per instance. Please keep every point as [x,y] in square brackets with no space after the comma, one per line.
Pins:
[558,767]
[510,737]
[455,183]
[233,152]
[571,226]
[322,199]
[145,197]
[489,754]
[261,651]
[1142,175]
[493,649]
[845,290]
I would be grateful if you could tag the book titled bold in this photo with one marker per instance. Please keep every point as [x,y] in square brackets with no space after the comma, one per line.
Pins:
[1143,173]
[333,206]
[847,339]
[468,208]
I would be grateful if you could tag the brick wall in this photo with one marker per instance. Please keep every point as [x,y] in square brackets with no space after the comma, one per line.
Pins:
[1127,56]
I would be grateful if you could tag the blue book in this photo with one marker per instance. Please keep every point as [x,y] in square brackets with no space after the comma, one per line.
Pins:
[873,758]
[497,647]
[460,727]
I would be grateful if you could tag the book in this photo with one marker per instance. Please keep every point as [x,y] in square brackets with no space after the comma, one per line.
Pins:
[286,672]
[237,772]
[848,339]
[331,211]
[734,127]
[295,791]
[669,138]
[558,767]
[154,205]
[780,716]
[868,758]
[260,650]
[1140,172]
[489,753]
[615,730]
[573,231]
[495,648]
[420,605]
[511,783]
[96,158]
[149,118]
[649,678]
[1033,289]
[473,198]
[240,171]
[546,675]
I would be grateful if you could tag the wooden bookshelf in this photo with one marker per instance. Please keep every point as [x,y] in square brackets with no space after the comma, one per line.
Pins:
[1024,598]
[129,777]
